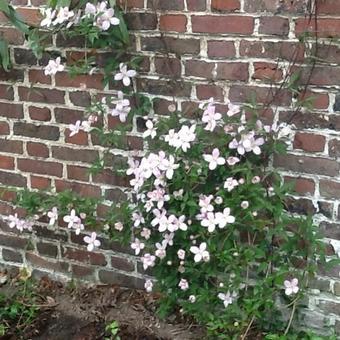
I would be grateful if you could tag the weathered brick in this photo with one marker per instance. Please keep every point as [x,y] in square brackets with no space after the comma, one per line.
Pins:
[78,173]
[38,77]
[81,189]
[39,113]
[42,95]
[122,264]
[6,162]
[11,255]
[41,183]
[40,167]
[274,26]
[198,68]
[309,142]
[141,21]
[302,185]
[114,278]
[173,22]
[6,92]
[4,129]
[225,5]
[47,249]
[16,242]
[75,155]
[334,148]
[37,149]
[326,27]
[36,131]
[309,165]
[267,72]
[221,49]
[11,146]
[222,24]
[329,189]
[12,179]
[83,256]
[208,91]
[11,110]
[40,262]
[232,71]
[168,66]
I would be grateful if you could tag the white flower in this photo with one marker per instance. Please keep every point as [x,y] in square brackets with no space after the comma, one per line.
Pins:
[178,194]
[169,239]
[210,117]
[90,9]
[78,227]
[63,15]
[122,108]
[148,260]
[182,138]
[137,246]
[119,226]
[151,130]
[170,167]
[72,219]
[200,252]
[291,287]
[49,16]
[148,285]
[244,204]
[125,74]
[247,143]
[205,203]
[92,241]
[214,159]
[138,219]
[256,179]
[75,128]
[232,160]
[233,110]
[19,224]
[161,249]
[209,221]
[106,17]
[230,184]
[181,254]
[53,67]
[146,233]
[192,298]
[183,284]
[227,298]
[53,215]
[222,219]
[218,200]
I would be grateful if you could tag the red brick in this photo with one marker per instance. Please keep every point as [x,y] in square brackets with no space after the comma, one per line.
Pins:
[308,165]
[11,110]
[274,25]
[12,179]
[30,16]
[273,50]
[41,183]
[39,113]
[331,7]
[225,5]
[141,21]
[316,99]
[198,68]
[221,49]
[68,116]
[334,148]
[131,3]
[6,162]
[75,155]
[173,22]
[95,81]
[208,91]
[11,146]
[84,256]
[167,5]
[37,149]
[42,95]
[109,177]
[6,92]
[262,94]
[115,278]
[38,77]
[81,189]
[222,24]
[326,28]
[267,72]
[12,255]
[47,249]
[36,131]
[4,129]
[329,189]
[196,5]
[40,262]
[122,264]
[303,186]
[309,142]
[232,71]
[82,271]
[81,138]
[12,35]
[78,173]
[40,167]
[168,66]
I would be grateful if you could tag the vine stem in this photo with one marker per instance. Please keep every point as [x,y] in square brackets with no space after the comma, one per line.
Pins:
[291,318]
[243,337]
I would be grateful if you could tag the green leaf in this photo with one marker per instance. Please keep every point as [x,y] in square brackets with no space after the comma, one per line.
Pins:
[4,55]
[4,7]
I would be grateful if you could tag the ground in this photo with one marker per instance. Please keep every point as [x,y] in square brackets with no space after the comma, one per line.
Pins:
[69,312]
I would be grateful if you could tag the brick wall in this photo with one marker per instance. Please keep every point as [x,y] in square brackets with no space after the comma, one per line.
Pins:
[192,50]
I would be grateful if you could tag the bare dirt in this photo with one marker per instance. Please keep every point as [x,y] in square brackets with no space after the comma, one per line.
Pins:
[81,313]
